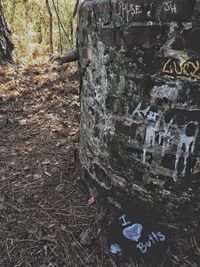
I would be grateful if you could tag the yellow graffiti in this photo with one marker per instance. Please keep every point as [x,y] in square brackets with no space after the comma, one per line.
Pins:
[190,68]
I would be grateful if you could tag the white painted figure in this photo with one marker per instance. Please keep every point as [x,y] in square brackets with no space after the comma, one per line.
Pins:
[150,135]
[151,130]
[152,127]
[186,145]
[165,137]
[149,139]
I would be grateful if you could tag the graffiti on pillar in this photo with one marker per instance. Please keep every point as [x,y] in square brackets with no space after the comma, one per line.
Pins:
[115,249]
[186,147]
[190,68]
[134,233]
[140,111]
[165,137]
[170,7]
[131,86]
[149,139]
[151,116]
[164,134]
[127,11]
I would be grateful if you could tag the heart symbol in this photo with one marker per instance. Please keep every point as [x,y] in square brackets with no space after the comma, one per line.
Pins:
[133,232]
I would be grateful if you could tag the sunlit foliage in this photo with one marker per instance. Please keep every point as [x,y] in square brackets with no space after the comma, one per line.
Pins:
[29,23]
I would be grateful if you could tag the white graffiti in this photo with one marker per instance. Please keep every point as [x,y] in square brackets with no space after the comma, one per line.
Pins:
[152,127]
[152,116]
[162,135]
[186,146]
[141,112]
[165,137]
[170,7]
[145,113]
[149,139]
[124,221]
[151,130]
[150,135]
[165,92]
[127,11]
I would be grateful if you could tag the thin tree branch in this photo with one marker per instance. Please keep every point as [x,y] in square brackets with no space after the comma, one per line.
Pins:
[60,35]
[76,8]
[61,24]
[50,26]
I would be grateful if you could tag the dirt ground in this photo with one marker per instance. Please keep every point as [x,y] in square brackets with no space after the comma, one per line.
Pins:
[45,219]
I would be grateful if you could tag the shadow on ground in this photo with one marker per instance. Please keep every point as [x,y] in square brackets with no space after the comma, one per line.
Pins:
[45,220]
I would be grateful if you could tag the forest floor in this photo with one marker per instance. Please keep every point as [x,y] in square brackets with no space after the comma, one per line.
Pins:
[45,220]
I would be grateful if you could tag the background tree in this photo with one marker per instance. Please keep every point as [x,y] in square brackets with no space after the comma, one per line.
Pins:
[6,45]
[50,26]
[40,27]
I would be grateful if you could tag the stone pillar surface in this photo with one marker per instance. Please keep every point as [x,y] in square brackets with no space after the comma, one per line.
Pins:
[140,102]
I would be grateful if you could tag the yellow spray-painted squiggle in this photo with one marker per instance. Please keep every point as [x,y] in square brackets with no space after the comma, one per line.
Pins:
[190,68]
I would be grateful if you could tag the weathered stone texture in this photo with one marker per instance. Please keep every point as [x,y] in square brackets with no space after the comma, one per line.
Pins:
[6,45]
[140,101]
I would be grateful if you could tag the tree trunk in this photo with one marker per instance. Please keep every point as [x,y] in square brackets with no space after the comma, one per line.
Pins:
[6,45]
[13,11]
[60,33]
[140,103]
[61,24]
[50,26]
[26,11]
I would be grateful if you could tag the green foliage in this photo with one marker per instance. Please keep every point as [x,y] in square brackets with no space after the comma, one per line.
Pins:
[28,21]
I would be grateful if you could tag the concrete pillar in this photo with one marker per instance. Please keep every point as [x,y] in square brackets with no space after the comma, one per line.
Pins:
[140,102]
